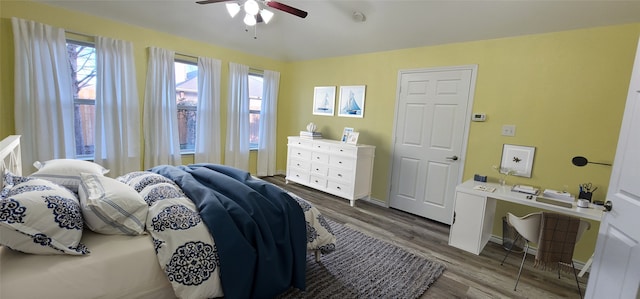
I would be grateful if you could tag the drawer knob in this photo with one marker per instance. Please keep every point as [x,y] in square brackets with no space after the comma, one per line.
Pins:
[317,169]
[297,175]
[338,188]
[341,150]
[318,158]
[339,162]
[340,174]
[316,181]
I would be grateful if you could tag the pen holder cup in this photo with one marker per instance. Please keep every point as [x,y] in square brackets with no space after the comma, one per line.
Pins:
[585,195]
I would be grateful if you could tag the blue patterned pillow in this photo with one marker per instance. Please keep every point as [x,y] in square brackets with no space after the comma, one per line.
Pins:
[9,180]
[40,217]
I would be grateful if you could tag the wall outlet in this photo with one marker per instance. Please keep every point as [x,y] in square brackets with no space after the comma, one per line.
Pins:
[509,130]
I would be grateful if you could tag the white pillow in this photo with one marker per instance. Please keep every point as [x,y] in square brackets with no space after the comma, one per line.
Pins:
[41,217]
[66,172]
[111,207]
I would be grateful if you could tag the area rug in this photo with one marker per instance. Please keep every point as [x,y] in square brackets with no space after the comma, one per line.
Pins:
[365,267]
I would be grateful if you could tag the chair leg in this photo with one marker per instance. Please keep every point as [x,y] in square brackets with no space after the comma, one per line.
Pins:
[575,274]
[509,250]
[524,256]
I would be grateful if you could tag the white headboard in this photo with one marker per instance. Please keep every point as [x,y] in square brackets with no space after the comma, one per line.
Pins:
[10,157]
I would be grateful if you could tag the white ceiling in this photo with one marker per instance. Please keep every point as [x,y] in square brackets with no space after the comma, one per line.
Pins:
[330,30]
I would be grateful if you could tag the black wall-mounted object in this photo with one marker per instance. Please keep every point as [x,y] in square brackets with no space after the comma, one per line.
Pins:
[582,161]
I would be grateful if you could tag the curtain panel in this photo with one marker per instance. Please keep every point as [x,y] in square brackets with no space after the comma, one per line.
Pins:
[268,124]
[43,93]
[237,146]
[161,143]
[117,140]
[207,147]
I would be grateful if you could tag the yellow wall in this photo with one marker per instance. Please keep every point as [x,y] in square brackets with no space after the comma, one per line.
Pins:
[564,91]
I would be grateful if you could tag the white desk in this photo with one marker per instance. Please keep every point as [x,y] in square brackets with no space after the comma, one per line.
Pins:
[474,213]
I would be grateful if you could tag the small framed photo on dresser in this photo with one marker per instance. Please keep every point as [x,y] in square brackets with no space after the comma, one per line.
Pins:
[345,133]
[352,138]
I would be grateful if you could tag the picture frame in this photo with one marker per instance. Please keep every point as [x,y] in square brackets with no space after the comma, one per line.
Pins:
[517,159]
[352,138]
[351,102]
[345,133]
[324,100]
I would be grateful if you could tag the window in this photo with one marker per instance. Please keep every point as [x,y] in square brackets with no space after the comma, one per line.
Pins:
[255,105]
[187,102]
[82,61]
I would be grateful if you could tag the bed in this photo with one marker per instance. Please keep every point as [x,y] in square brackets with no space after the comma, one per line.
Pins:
[163,244]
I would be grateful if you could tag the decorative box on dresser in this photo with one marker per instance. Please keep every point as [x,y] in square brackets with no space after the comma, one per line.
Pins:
[331,166]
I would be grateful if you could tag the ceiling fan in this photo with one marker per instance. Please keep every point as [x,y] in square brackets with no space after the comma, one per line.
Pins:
[270,3]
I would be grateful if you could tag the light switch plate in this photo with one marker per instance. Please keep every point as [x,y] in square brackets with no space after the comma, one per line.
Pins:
[509,130]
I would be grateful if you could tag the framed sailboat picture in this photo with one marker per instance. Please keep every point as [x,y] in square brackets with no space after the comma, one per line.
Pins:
[351,101]
[324,100]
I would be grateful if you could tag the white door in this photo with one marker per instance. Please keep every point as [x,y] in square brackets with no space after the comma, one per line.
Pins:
[430,132]
[616,265]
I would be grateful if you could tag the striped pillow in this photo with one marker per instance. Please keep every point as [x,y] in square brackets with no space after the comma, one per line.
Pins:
[111,207]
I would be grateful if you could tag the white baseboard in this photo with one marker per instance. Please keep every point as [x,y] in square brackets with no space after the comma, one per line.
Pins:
[498,240]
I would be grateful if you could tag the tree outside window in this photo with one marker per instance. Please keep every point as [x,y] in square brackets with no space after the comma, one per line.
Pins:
[82,62]
[187,102]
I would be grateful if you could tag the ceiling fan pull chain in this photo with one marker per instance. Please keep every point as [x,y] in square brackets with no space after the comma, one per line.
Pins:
[255,31]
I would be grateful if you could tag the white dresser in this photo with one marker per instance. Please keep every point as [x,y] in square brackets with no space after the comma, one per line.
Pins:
[331,166]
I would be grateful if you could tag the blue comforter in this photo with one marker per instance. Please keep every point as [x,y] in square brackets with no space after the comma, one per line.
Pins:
[259,229]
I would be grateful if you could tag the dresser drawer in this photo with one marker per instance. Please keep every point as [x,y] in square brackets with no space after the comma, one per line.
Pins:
[319,169]
[343,150]
[321,146]
[343,162]
[300,153]
[340,174]
[300,164]
[338,187]
[317,182]
[298,176]
[301,142]
[320,157]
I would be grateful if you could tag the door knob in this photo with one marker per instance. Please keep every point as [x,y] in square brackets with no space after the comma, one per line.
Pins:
[608,206]
[454,158]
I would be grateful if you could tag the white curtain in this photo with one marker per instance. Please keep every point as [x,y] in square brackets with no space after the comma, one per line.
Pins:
[268,124]
[207,147]
[161,144]
[237,146]
[43,93]
[117,140]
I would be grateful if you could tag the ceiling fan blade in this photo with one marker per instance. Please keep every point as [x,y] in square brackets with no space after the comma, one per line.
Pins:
[286,8]
[211,1]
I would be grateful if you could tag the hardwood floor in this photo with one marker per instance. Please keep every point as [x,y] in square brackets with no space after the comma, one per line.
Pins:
[467,275]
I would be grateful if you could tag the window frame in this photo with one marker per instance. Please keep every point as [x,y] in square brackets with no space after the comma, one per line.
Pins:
[179,59]
[255,73]
[83,101]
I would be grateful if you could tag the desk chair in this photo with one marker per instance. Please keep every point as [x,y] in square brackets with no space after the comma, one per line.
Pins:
[530,228]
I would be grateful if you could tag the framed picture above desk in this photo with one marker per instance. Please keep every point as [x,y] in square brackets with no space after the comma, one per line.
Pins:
[474,212]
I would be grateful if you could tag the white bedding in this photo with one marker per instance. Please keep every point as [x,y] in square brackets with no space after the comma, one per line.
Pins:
[118,267]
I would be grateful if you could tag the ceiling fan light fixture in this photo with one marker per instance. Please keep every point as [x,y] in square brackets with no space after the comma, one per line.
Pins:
[233,9]
[249,20]
[266,15]
[251,7]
